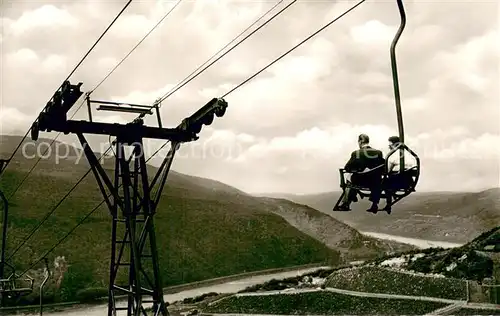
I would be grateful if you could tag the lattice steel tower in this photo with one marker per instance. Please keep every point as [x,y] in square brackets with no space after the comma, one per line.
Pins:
[131,195]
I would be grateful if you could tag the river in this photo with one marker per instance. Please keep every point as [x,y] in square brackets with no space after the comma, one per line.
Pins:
[420,243]
[235,286]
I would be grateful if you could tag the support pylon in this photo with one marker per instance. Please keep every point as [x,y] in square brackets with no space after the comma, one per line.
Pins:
[133,241]
[132,206]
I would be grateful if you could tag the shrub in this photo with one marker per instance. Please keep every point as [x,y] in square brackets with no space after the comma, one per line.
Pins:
[200,298]
[78,276]
[91,294]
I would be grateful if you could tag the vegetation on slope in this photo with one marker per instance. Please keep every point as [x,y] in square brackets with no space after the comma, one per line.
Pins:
[382,280]
[466,262]
[317,303]
[456,263]
[488,240]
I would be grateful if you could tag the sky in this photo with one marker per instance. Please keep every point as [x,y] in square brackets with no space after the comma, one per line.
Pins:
[293,126]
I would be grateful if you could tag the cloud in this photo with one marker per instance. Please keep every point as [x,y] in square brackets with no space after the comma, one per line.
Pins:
[10,118]
[372,32]
[22,57]
[291,127]
[54,62]
[46,16]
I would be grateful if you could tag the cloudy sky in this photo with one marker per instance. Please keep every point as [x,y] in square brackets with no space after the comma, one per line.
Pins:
[293,126]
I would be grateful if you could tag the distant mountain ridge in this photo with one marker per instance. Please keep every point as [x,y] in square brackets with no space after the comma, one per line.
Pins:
[447,216]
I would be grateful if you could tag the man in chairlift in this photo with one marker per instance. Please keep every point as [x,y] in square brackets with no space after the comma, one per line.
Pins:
[365,158]
[395,179]
[393,161]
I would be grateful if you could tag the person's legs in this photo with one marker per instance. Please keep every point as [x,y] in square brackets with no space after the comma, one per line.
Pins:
[375,194]
[346,199]
[375,184]
[347,191]
[389,191]
[356,180]
[375,198]
[344,202]
[388,206]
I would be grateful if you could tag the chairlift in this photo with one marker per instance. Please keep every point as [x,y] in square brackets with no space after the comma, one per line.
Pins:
[394,185]
[15,286]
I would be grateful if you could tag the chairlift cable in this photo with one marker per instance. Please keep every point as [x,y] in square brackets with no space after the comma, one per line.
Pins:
[168,94]
[135,47]
[218,52]
[33,231]
[293,48]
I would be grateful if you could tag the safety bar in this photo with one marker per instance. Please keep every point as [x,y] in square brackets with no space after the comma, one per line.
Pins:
[342,172]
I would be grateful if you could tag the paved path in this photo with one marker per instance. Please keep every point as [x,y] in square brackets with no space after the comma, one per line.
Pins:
[355,293]
[395,296]
[447,310]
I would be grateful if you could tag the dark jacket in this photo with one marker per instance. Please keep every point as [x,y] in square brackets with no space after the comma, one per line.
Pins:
[366,157]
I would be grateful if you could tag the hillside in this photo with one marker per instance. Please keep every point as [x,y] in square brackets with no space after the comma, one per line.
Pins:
[204,228]
[352,244]
[445,216]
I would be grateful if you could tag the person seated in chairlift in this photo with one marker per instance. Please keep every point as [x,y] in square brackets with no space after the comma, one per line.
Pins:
[393,161]
[394,179]
[364,158]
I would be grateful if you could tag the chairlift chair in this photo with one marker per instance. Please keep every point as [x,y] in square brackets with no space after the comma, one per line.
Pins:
[395,185]
[11,287]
